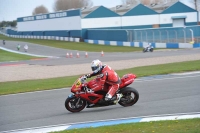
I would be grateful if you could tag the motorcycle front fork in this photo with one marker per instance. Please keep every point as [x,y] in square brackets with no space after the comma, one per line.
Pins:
[77,103]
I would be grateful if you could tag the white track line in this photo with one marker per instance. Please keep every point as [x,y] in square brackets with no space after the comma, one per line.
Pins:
[62,127]
[186,73]
[13,51]
[144,80]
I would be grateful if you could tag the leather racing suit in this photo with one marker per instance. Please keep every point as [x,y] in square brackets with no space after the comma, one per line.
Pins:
[109,79]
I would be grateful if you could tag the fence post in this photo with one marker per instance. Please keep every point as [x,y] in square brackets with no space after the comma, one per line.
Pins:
[176,35]
[192,35]
[135,35]
[146,36]
[153,35]
[130,36]
[167,35]
[127,35]
[160,35]
[184,36]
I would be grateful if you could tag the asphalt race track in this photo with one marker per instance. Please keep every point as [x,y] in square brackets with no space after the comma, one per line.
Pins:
[167,94]
[62,60]
[159,95]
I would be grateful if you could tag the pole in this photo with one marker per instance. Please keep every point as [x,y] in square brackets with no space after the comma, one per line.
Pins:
[153,35]
[184,36]
[135,36]
[167,35]
[160,35]
[192,34]
[146,36]
[176,35]
[127,35]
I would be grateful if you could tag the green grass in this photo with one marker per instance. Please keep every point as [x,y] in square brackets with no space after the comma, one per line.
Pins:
[9,56]
[53,83]
[163,69]
[74,45]
[180,126]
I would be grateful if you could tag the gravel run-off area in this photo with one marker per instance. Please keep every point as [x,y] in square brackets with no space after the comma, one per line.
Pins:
[29,72]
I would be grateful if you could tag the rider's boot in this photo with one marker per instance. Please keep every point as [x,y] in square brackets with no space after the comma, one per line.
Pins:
[115,99]
[108,97]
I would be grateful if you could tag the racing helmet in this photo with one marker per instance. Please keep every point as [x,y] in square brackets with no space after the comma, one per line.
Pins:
[96,66]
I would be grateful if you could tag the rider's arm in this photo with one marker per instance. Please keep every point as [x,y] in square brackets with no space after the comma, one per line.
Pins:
[94,73]
[91,75]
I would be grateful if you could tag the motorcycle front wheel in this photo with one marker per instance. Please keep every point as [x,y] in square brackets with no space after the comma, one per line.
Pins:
[144,50]
[130,96]
[75,104]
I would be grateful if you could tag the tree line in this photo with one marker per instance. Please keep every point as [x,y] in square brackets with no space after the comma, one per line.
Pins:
[73,4]
[8,23]
[60,5]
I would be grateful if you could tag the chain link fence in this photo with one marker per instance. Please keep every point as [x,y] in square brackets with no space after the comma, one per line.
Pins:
[165,35]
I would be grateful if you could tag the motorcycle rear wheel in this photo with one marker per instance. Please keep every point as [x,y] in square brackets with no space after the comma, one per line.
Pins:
[74,104]
[130,96]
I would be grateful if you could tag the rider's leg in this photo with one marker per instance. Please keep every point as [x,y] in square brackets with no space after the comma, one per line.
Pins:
[112,90]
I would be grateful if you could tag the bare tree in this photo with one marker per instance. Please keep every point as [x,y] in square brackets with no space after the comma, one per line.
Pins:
[197,4]
[70,4]
[132,2]
[40,9]
[145,2]
[191,3]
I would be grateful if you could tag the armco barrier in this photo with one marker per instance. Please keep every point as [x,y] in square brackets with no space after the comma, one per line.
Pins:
[70,39]
[143,44]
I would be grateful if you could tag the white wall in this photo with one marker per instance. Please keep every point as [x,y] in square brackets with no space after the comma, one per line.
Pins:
[199,16]
[167,18]
[65,23]
[140,20]
[101,22]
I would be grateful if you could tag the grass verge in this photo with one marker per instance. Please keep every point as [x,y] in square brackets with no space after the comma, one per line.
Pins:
[9,56]
[180,126]
[53,83]
[74,45]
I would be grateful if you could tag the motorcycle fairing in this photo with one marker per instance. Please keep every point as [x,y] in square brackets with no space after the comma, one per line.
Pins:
[96,85]
[90,97]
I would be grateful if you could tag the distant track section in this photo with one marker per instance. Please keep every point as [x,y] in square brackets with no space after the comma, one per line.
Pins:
[25,53]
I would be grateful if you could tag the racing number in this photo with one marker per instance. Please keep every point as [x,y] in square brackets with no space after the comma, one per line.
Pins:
[78,83]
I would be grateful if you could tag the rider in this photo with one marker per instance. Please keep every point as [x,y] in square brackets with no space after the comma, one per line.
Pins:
[148,46]
[108,78]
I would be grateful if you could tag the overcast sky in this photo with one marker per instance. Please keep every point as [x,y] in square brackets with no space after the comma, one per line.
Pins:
[12,9]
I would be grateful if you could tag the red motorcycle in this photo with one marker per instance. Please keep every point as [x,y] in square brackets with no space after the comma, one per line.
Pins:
[84,95]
